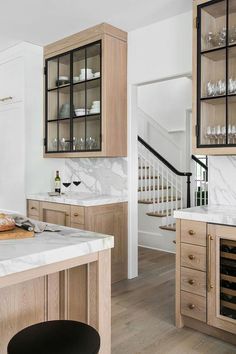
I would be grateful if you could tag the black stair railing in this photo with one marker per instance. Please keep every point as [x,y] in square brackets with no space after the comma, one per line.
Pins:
[171,167]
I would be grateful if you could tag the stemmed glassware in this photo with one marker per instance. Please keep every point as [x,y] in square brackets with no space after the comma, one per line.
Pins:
[217,134]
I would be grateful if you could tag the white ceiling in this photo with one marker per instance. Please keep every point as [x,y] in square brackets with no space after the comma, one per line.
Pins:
[42,22]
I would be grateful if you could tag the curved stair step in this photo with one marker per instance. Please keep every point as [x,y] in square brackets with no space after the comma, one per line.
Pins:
[159,214]
[160,200]
[149,177]
[156,188]
[168,227]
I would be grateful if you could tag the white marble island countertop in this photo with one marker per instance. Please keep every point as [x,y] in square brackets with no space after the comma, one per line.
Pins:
[216,214]
[80,199]
[49,247]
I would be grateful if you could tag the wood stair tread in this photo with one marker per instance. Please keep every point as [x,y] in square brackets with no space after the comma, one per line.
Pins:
[159,214]
[168,227]
[161,200]
[149,177]
[156,188]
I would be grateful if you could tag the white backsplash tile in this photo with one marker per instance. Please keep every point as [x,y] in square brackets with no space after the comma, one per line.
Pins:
[98,175]
[222,180]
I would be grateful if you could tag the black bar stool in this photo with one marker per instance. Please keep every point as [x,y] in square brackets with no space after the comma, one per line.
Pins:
[56,337]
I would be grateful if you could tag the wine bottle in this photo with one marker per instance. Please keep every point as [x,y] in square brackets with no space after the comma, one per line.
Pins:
[57,183]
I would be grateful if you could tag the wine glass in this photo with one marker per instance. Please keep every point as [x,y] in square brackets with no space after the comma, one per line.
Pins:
[223,134]
[218,133]
[66,184]
[76,183]
[208,134]
[213,133]
[233,132]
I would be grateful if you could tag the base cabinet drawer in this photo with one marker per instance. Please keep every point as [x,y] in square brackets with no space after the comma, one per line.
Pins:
[33,208]
[193,257]
[193,306]
[193,232]
[77,214]
[193,281]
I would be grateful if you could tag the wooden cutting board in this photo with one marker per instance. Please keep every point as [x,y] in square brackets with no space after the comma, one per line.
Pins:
[17,233]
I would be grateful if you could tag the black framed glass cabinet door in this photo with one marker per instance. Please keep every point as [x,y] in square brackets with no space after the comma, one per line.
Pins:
[73,109]
[216,74]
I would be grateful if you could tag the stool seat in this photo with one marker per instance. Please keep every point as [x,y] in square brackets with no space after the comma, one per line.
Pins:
[56,337]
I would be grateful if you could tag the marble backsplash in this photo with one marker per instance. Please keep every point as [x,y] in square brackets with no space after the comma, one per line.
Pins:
[222,180]
[98,175]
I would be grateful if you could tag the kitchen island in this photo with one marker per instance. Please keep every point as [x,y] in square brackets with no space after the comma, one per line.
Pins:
[56,275]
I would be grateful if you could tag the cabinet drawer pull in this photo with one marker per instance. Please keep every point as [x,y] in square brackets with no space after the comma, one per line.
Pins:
[33,208]
[191,306]
[67,214]
[191,232]
[209,281]
[76,214]
[191,256]
[191,281]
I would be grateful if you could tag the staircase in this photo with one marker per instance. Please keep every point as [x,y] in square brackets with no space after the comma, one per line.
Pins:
[161,187]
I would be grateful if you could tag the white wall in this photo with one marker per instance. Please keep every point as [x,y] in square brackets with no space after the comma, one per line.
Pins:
[158,51]
[163,49]
[167,101]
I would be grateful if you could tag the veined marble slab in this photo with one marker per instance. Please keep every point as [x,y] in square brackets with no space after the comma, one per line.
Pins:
[216,214]
[222,186]
[81,199]
[48,248]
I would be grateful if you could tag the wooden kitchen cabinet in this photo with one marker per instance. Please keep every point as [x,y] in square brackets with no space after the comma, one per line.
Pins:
[206,278]
[55,213]
[110,219]
[214,72]
[86,94]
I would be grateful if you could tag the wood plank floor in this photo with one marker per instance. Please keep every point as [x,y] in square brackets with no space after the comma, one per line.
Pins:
[143,313]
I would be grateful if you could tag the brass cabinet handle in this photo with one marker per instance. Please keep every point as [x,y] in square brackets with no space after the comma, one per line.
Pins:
[67,214]
[191,232]
[209,282]
[76,214]
[191,281]
[191,306]
[32,208]
[191,256]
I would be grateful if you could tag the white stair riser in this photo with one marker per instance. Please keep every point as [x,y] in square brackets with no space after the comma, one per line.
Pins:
[163,206]
[154,194]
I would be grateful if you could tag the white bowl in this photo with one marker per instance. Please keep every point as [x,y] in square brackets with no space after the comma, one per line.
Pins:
[63,78]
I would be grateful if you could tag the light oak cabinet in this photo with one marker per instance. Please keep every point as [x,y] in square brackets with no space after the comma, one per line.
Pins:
[110,219]
[86,94]
[206,278]
[214,72]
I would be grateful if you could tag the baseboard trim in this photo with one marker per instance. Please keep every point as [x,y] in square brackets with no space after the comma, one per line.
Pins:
[156,249]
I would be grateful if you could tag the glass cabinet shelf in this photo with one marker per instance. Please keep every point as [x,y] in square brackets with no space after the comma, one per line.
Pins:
[216,74]
[73,115]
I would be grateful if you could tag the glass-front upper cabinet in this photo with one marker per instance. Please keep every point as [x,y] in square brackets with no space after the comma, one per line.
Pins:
[73,101]
[216,74]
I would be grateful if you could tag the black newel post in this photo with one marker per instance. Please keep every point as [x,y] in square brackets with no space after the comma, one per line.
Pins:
[188,191]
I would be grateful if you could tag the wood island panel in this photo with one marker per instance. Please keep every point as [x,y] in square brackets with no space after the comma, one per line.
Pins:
[80,292]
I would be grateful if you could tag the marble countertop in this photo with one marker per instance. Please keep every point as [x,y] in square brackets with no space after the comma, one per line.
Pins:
[81,199]
[216,214]
[48,248]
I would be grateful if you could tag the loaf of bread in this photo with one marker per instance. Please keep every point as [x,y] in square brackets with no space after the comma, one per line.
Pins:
[6,223]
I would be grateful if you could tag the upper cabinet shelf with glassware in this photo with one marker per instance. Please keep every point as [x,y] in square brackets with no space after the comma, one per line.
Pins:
[85,94]
[214,77]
